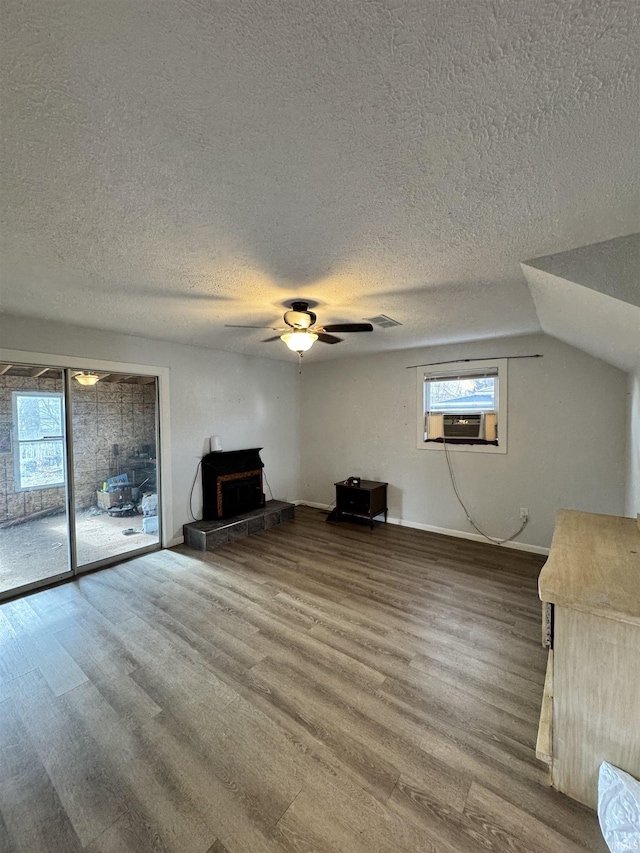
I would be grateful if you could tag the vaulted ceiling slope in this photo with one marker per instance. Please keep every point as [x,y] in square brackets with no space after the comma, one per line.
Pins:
[590,298]
[171,167]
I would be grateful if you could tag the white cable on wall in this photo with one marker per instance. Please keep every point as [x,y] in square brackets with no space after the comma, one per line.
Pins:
[466,511]
[193,485]
[267,482]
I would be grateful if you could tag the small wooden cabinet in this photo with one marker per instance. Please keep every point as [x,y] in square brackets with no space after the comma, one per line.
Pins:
[366,500]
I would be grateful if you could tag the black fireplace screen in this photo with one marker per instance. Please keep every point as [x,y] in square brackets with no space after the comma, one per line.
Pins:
[241,495]
[231,483]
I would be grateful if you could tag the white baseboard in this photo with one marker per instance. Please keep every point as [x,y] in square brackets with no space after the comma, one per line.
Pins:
[177,540]
[445,531]
[463,534]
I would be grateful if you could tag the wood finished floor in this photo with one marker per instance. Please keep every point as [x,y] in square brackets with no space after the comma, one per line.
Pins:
[311,688]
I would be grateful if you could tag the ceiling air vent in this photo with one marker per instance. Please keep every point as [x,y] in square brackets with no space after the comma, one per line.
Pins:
[383,321]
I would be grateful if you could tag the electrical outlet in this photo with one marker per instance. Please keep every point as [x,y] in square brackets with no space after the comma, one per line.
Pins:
[524,513]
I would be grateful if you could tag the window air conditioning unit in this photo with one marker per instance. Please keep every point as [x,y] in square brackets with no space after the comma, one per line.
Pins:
[464,425]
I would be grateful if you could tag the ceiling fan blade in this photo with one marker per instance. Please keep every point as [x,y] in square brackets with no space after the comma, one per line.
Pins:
[268,340]
[328,339]
[348,327]
[234,326]
[184,295]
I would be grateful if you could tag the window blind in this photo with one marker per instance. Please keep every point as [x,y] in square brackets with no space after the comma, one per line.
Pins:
[452,377]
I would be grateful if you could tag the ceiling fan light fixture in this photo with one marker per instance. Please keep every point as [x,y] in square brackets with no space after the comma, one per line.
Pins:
[87,378]
[299,341]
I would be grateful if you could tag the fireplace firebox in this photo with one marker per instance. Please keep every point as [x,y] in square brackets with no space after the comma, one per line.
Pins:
[231,483]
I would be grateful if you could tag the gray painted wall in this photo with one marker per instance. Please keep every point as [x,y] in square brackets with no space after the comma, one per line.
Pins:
[605,327]
[611,267]
[566,438]
[570,441]
[247,401]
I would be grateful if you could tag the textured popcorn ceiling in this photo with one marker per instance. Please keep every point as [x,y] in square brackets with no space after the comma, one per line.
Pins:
[172,166]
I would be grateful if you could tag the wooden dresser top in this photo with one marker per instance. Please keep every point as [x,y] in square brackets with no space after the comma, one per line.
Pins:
[594,565]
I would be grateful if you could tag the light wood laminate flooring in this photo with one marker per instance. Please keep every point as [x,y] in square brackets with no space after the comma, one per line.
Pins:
[312,688]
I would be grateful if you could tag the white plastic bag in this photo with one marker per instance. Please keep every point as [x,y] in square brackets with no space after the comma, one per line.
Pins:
[619,809]
[150,505]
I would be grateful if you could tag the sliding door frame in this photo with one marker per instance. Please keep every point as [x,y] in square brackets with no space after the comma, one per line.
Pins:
[163,433]
[68,457]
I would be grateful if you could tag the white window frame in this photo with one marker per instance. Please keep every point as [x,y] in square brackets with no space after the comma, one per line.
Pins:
[18,487]
[455,368]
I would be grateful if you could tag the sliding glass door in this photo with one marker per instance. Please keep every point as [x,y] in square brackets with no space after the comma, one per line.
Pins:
[78,472]
[114,422]
[35,545]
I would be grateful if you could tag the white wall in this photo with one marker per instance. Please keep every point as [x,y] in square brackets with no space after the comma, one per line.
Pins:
[566,438]
[633,447]
[247,401]
[567,431]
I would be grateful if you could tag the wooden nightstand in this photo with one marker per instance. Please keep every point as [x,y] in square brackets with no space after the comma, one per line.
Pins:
[366,500]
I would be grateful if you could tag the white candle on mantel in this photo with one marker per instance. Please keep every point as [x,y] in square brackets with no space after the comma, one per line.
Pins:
[215,444]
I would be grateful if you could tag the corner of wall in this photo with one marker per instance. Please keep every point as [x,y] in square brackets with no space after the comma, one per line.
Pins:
[632,494]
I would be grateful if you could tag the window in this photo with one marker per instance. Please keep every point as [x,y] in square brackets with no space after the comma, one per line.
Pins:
[460,406]
[38,430]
